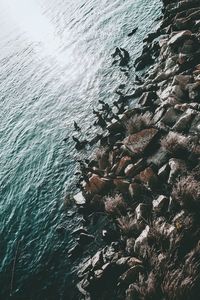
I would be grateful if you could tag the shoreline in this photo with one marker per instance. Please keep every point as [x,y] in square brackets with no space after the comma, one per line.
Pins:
[144,179]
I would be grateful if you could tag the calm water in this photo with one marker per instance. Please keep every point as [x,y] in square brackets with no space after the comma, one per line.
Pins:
[55,63]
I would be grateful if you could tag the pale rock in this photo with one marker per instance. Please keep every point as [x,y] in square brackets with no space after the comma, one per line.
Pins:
[79,199]
[160,203]
[141,242]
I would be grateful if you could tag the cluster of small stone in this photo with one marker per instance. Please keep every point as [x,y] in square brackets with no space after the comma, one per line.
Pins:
[146,177]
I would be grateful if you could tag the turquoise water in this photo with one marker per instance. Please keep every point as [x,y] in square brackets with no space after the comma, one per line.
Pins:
[55,63]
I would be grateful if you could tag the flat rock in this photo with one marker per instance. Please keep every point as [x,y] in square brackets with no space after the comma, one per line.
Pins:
[138,142]
[97,184]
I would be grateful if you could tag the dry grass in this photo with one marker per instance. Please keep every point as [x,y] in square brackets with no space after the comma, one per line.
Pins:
[175,144]
[115,205]
[128,226]
[139,122]
[187,193]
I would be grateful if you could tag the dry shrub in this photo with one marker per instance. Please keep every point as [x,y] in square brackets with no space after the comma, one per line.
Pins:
[128,226]
[187,193]
[138,122]
[115,205]
[175,144]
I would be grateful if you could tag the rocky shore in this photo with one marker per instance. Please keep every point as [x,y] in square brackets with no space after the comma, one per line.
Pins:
[144,178]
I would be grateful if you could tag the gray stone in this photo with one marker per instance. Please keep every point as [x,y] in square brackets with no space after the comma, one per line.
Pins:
[160,203]
[184,121]
[141,242]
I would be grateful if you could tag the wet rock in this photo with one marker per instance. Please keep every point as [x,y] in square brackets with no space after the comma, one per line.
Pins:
[130,275]
[143,61]
[84,268]
[97,260]
[85,239]
[81,287]
[141,242]
[75,251]
[133,31]
[79,199]
[122,261]
[160,204]
[138,142]
[147,98]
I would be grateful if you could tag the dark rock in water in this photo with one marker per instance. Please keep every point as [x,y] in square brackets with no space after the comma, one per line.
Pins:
[79,144]
[143,61]
[117,52]
[85,239]
[75,251]
[76,127]
[133,31]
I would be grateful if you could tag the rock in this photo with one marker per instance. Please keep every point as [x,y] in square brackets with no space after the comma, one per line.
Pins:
[130,243]
[98,274]
[137,143]
[164,227]
[79,199]
[170,117]
[177,169]
[80,285]
[194,91]
[177,38]
[97,184]
[149,177]
[122,261]
[163,172]
[124,161]
[130,275]
[141,241]
[195,126]
[97,260]
[141,212]
[147,98]
[184,121]
[143,61]
[160,204]
[135,189]
[75,251]
[159,158]
[84,268]
[133,169]
[133,261]
[121,185]
[85,239]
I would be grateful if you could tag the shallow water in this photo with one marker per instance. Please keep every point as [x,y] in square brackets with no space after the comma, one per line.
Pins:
[55,63]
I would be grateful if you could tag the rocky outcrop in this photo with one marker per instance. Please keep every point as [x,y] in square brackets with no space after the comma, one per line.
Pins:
[146,178]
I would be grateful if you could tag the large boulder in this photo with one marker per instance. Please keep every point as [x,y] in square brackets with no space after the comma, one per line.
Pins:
[137,143]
